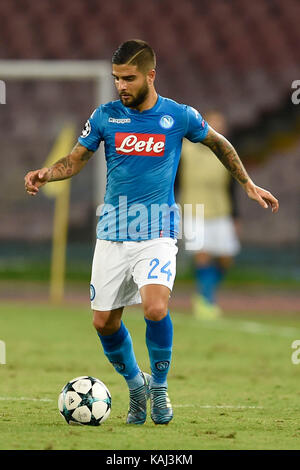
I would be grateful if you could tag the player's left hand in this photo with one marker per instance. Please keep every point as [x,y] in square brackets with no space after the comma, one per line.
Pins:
[263,197]
[35,179]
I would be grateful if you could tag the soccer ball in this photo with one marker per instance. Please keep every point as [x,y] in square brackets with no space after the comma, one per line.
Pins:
[85,400]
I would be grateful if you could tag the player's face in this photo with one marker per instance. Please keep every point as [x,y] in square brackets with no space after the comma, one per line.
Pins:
[132,84]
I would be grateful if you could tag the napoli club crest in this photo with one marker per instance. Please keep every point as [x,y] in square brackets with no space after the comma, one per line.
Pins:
[162,365]
[92,292]
[166,122]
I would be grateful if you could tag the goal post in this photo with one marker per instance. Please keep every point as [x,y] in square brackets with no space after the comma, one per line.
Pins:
[99,73]
[97,70]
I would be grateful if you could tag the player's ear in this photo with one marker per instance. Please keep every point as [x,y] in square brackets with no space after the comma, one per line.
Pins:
[151,76]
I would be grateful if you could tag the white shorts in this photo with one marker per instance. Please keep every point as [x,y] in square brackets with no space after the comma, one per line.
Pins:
[120,269]
[218,237]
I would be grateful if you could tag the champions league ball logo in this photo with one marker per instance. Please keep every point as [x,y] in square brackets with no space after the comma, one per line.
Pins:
[86,130]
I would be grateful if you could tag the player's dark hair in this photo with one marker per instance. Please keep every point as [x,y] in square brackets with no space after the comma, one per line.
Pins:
[135,52]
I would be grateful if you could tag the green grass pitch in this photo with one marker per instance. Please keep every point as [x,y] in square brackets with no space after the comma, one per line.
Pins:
[232,383]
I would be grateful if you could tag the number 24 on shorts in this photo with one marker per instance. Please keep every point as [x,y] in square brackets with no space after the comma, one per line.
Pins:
[155,264]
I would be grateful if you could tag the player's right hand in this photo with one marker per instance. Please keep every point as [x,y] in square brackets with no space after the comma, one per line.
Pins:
[35,179]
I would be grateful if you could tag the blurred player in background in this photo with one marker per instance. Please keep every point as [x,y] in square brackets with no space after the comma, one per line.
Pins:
[135,254]
[204,180]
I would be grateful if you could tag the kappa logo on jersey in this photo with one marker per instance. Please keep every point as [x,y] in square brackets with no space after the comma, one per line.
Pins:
[119,121]
[86,130]
[146,145]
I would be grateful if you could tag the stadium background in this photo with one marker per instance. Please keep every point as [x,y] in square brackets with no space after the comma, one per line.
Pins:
[237,56]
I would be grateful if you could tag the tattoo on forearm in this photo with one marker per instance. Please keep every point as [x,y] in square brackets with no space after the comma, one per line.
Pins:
[71,164]
[62,169]
[227,155]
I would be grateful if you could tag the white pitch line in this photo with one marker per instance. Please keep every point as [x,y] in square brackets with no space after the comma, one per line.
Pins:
[25,399]
[252,327]
[233,407]
[186,405]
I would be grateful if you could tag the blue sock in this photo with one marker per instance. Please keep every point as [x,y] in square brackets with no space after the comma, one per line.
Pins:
[159,340]
[220,274]
[118,348]
[208,279]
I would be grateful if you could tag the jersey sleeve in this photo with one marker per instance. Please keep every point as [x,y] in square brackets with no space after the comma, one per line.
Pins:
[91,134]
[197,127]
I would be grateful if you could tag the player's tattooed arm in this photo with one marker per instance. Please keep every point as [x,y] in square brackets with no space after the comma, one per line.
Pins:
[227,155]
[70,165]
[64,168]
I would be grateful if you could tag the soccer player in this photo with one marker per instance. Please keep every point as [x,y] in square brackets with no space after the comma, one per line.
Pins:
[135,253]
[204,179]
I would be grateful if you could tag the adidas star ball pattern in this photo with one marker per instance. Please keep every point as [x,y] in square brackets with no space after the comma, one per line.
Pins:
[85,400]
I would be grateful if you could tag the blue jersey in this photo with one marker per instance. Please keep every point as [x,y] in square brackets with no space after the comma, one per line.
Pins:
[142,151]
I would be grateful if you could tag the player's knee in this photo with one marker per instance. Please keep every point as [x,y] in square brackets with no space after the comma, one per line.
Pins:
[155,310]
[99,323]
[103,324]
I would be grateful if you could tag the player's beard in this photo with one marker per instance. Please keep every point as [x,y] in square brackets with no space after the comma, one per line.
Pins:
[137,100]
